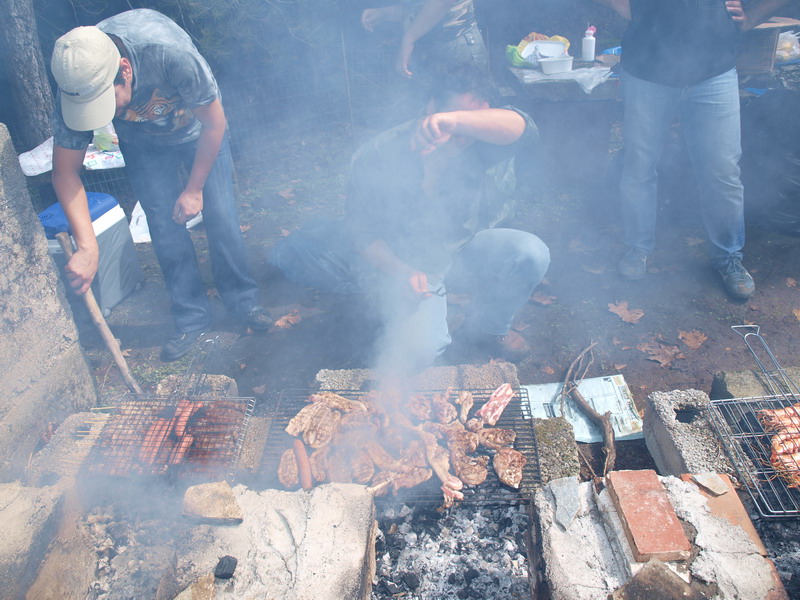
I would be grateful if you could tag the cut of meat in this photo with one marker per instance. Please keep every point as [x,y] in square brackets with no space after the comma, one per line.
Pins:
[443,411]
[335,401]
[319,464]
[287,470]
[362,468]
[471,469]
[420,407]
[494,407]
[465,402]
[508,463]
[316,422]
[496,438]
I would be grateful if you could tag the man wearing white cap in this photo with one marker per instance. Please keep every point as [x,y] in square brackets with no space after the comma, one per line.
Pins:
[142,71]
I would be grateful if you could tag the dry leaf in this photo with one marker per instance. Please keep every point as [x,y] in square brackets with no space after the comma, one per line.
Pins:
[616,341]
[287,194]
[694,339]
[660,352]
[286,321]
[540,298]
[577,246]
[242,366]
[693,241]
[791,282]
[629,315]
[285,232]
[619,367]
[126,352]
[549,370]
[521,326]
[796,313]
[245,228]
[260,389]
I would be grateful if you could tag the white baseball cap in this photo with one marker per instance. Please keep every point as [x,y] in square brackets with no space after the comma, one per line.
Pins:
[85,62]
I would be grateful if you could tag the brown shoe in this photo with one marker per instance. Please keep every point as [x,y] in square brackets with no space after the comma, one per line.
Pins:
[511,346]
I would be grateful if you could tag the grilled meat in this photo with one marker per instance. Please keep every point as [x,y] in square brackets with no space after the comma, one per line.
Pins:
[362,467]
[465,402]
[470,469]
[494,407]
[474,424]
[384,460]
[412,479]
[496,438]
[420,407]
[443,411]
[508,464]
[319,464]
[316,422]
[287,470]
[337,402]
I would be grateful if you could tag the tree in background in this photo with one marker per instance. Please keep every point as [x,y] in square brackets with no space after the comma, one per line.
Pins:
[25,72]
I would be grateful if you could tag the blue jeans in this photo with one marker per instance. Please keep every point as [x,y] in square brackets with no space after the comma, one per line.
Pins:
[154,173]
[498,267]
[709,114]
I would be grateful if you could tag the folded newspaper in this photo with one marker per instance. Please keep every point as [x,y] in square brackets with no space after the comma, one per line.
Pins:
[604,394]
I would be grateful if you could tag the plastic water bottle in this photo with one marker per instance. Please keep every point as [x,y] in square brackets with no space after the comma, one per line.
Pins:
[587,47]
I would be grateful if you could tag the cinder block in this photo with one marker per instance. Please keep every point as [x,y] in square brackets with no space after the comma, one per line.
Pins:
[650,522]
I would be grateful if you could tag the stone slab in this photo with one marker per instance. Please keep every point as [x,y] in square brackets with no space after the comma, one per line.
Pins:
[316,545]
[29,521]
[746,383]
[650,523]
[213,502]
[655,581]
[558,452]
[679,436]
[567,500]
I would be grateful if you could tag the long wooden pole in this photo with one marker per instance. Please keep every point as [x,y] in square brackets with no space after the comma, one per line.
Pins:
[99,320]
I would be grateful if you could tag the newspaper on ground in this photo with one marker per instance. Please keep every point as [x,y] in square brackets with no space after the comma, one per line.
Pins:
[604,394]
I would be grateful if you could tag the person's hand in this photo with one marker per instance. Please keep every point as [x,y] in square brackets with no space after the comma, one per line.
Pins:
[188,205]
[81,269]
[433,132]
[738,15]
[371,17]
[419,284]
[403,58]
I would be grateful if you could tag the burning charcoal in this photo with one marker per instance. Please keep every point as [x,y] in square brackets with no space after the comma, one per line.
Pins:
[225,567]
[411,580]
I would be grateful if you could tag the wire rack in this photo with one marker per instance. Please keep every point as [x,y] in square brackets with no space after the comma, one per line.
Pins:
[177,437]
[517,416]
[743,425]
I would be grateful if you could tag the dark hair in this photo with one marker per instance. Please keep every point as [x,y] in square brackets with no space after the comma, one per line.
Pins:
[123,52]
[457,79]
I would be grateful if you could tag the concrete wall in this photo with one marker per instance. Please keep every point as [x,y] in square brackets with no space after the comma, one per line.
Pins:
[43,374]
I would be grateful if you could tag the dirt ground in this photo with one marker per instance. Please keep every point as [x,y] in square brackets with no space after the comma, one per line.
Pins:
[670,331]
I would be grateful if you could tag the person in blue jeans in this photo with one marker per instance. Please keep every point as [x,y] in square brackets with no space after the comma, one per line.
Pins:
[425,204]
[142,71]
[678,59]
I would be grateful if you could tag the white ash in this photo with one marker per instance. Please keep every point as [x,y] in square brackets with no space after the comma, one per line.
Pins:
[466,552]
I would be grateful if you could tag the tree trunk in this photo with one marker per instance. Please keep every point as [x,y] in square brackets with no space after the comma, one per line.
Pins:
[26,73]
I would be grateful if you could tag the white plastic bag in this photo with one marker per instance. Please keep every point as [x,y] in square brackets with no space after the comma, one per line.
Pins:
[788,47]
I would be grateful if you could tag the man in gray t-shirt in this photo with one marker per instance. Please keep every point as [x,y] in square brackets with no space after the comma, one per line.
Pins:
[143,71]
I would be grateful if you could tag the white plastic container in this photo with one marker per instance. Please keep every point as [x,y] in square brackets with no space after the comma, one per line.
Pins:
[557,64]
[539,49]
[588,45]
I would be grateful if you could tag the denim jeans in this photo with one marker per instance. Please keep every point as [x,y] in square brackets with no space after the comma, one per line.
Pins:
[498,267]
[155,175]
[709,114]
[466,47]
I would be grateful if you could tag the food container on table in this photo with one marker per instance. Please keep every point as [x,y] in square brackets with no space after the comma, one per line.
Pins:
[538,49]
[556,64]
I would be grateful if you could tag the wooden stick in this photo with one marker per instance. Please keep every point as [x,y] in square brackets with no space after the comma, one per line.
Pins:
[99,320]
[603,421]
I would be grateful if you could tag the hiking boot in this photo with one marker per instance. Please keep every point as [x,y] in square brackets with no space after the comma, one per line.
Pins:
[511,346]
[633,265]
[257,319]
[737,280]
[179,344]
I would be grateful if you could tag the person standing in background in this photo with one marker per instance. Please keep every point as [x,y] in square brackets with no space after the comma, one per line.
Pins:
[143,71]
[434,32]
[679,59]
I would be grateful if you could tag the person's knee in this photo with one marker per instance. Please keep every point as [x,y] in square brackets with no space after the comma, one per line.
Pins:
[533,256]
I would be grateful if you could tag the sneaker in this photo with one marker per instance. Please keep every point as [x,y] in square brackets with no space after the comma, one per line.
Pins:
[737,280]
[179,344]
[633,265]
[257,319]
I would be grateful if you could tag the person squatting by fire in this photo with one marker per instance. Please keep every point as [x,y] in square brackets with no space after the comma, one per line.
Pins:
[142,71]
[425,208]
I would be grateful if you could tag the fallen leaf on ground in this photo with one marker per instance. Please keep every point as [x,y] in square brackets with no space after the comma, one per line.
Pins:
[212,292]
[549,370]
[285,232]
[126,352]
[660,352]
[629,315]
[791,282]
[693,241]
[577,246]
[242,366]
[287,194]
[616,341]
[288,320]
[260,389]
[521,326]
[694,339]
[796,313]
[540,298]
[594,270]
[619,367]
[245,228]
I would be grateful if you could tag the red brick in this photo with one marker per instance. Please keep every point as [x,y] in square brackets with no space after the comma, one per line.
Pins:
[650,522]
[731,508]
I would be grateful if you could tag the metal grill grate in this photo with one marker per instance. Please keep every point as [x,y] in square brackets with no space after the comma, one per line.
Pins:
[771,482]
[516,416]
[178,437]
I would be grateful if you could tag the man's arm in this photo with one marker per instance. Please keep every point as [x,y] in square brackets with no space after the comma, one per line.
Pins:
[757,12]
[67,184]
[371,17]
[380,255]
[499,126]
[212,120]
[621,7]
[430,13]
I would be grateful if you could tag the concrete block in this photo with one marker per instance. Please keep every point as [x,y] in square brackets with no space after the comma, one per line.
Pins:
[655,581]
[680,437]
[316,545]
[558,452]
[650,523]
[29,517]
[213,502]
